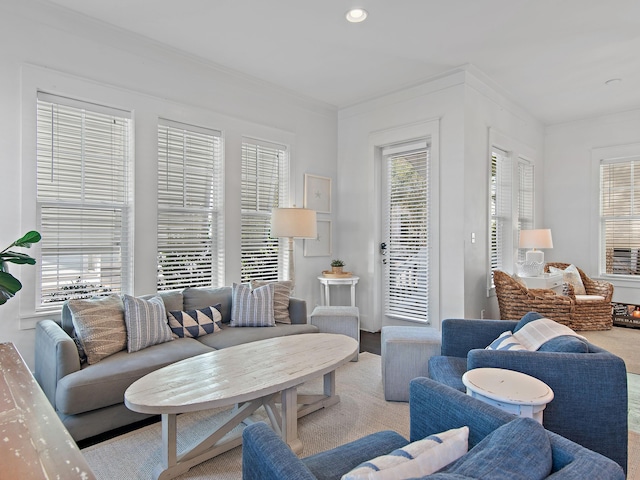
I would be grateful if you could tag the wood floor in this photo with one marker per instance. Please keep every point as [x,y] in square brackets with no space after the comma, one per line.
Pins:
[370,342]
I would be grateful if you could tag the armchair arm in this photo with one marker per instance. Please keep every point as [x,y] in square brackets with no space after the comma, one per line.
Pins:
[56,356]
[461,335]
[266,457]
[595,287]
[298,310]
[590,394]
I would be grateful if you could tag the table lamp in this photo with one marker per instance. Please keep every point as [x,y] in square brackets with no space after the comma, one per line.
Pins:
[293,223]
[534,239]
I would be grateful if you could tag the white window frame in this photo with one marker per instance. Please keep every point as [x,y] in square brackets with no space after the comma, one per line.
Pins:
[190,205]
[521,160]
[617,153]
[106,203]
[263,209]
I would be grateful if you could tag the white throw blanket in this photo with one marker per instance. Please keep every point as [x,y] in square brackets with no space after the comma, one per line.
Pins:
[535,333]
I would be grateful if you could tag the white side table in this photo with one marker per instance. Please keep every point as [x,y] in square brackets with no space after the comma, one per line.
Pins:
[550,281]
[513,392]
[325,282]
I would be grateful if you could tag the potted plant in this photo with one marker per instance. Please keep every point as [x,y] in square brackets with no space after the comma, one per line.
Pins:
[336,266]
[9,284]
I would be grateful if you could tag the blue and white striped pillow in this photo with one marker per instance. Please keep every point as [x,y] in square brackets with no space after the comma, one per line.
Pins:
[506,341]
[417,459]
[252,308]
[146,322]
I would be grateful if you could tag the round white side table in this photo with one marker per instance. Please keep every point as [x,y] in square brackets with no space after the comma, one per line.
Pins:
[513,392]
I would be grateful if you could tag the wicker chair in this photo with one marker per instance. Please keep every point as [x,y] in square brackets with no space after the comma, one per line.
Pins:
[515,300]
[589,313]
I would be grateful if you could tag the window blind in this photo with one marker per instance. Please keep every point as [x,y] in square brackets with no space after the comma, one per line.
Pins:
[264,187]
[525,200]
[620,216]
[407,207]
[83,199]
[190,193]
[500,190]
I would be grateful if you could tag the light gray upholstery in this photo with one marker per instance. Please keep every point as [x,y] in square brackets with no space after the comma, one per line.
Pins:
[405,356]
[339,319]
[90,400]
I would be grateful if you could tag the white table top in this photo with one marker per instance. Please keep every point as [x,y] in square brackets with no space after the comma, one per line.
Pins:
[335,280]
[508,386]
[240,373]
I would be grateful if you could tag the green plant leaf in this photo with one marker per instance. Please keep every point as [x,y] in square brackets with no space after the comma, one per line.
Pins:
[28,239]
[9,285]
[15,257]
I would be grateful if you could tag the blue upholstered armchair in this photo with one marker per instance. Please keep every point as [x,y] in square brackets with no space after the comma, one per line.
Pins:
[590,403]
[435,408]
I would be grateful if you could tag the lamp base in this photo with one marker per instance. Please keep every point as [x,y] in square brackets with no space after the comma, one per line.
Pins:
[536,256]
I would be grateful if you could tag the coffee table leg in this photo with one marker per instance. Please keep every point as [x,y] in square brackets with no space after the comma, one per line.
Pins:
[290,419]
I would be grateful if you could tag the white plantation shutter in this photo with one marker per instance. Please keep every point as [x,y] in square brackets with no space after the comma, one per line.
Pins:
[190,252]
[620,216]
[83,199]
[525,200]
[264,187]
[407,279]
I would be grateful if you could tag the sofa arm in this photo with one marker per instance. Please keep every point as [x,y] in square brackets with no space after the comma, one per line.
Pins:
[590,403]
[56,356]
[461,335]
[298,310]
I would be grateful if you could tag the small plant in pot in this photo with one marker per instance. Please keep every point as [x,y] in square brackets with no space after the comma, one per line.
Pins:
[336,266]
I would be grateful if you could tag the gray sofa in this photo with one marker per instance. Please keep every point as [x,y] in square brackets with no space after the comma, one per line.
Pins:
[89,399]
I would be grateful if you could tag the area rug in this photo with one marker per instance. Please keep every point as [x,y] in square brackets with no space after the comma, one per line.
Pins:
[362,410]
[621,341]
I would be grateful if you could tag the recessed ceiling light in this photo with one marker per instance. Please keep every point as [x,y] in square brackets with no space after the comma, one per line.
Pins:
[613,81]
[356,15]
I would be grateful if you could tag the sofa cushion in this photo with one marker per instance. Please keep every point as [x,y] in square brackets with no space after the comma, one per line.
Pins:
[281,294]
[146,322]
[104,384]
[563,343]
[448,370]
[197,298]
[506,341]
[194,323]
[99,325]
[172,299]
[419,458]
[252,308]
[230,336]
[519,449]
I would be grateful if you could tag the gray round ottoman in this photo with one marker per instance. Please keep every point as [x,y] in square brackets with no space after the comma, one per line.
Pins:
[405,355]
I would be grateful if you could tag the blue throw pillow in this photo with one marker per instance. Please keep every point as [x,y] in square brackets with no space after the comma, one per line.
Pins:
[565,344]
[519,449]
[528,318]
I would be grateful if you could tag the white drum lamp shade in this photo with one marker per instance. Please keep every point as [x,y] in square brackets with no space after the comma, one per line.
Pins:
[534,239]
[293,223]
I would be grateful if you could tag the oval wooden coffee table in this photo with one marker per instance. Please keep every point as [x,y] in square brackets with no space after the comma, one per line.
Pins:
[248,376]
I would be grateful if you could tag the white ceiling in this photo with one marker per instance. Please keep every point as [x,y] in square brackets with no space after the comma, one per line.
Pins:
[551,56]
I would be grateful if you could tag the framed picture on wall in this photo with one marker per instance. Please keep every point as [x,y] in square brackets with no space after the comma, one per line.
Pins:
[317,193]
[321,246]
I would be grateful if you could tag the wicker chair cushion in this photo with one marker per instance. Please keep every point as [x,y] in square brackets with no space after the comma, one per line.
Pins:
[589,298]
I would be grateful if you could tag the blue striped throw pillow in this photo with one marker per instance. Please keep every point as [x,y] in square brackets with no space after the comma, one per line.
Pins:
[252,308]
[146,322]
[417,459]
[506,341]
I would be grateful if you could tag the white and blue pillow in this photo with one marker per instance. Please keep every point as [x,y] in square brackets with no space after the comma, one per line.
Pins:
[506,341]
[195,323]
[252,308]
[146,322]
[417,459]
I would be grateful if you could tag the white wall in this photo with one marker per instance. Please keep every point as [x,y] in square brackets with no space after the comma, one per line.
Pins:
[571,190]
[70,52]
[466,104]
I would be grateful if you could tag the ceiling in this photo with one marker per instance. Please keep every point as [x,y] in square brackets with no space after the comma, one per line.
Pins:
[552,57]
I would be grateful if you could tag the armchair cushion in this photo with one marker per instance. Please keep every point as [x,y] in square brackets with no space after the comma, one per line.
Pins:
[572,276]
[503,453]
